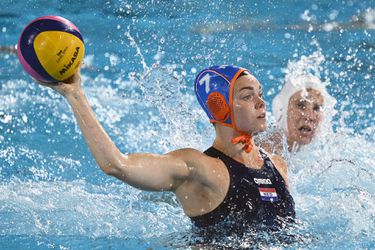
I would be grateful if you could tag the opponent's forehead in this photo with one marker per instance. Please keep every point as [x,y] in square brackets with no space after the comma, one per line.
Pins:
[311,95]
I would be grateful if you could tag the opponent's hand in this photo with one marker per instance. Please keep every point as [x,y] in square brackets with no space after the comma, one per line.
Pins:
[69,86]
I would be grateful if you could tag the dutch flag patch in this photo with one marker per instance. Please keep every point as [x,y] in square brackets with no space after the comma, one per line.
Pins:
[268,194]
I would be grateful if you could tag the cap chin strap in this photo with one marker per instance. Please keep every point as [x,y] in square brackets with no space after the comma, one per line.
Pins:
[245,139]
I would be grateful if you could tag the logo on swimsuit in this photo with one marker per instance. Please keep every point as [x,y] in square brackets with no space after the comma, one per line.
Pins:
[262,181]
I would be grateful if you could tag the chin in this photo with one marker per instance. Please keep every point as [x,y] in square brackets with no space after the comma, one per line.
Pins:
[304,141]
[262,128]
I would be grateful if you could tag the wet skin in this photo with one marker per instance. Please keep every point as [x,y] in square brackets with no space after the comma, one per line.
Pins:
[248,106]
[305,111]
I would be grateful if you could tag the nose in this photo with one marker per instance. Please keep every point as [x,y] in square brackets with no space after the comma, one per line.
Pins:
[260,104]
[309,113]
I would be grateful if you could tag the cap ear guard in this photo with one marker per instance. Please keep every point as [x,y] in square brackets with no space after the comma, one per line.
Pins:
[218,106]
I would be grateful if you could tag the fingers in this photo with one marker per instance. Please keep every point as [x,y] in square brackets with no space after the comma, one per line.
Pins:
[75,78]
[68,80]
[50,85]
[69,85]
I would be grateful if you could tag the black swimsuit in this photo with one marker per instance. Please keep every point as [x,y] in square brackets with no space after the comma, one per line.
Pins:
[255,196]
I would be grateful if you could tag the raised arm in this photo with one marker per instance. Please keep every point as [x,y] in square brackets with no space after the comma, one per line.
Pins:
[144,171]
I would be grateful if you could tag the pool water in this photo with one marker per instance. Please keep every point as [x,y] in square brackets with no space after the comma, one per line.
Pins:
[140,64]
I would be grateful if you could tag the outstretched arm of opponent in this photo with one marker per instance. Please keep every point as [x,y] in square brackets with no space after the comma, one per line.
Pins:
[144,171]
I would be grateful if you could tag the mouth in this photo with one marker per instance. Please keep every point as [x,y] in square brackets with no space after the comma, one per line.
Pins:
[262,116]
[306,130]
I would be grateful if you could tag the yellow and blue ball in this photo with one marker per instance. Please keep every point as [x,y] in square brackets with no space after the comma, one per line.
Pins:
[51,49]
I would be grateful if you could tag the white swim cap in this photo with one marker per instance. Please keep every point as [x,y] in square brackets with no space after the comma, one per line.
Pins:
[292,85]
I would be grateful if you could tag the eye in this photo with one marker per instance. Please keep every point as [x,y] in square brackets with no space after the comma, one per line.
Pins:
[317,107]
[248,97]
[260,94]
[301,105]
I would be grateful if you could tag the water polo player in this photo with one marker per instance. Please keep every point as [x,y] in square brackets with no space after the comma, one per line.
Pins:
[298,109]
[234,183]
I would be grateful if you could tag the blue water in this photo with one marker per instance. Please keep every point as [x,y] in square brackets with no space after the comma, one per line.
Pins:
[141,60]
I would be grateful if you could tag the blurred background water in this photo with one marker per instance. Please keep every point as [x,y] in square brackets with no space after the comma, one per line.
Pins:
[140,64]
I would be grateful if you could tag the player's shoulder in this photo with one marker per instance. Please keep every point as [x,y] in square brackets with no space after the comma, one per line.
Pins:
[278,161]
[191,155]
[186,153]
